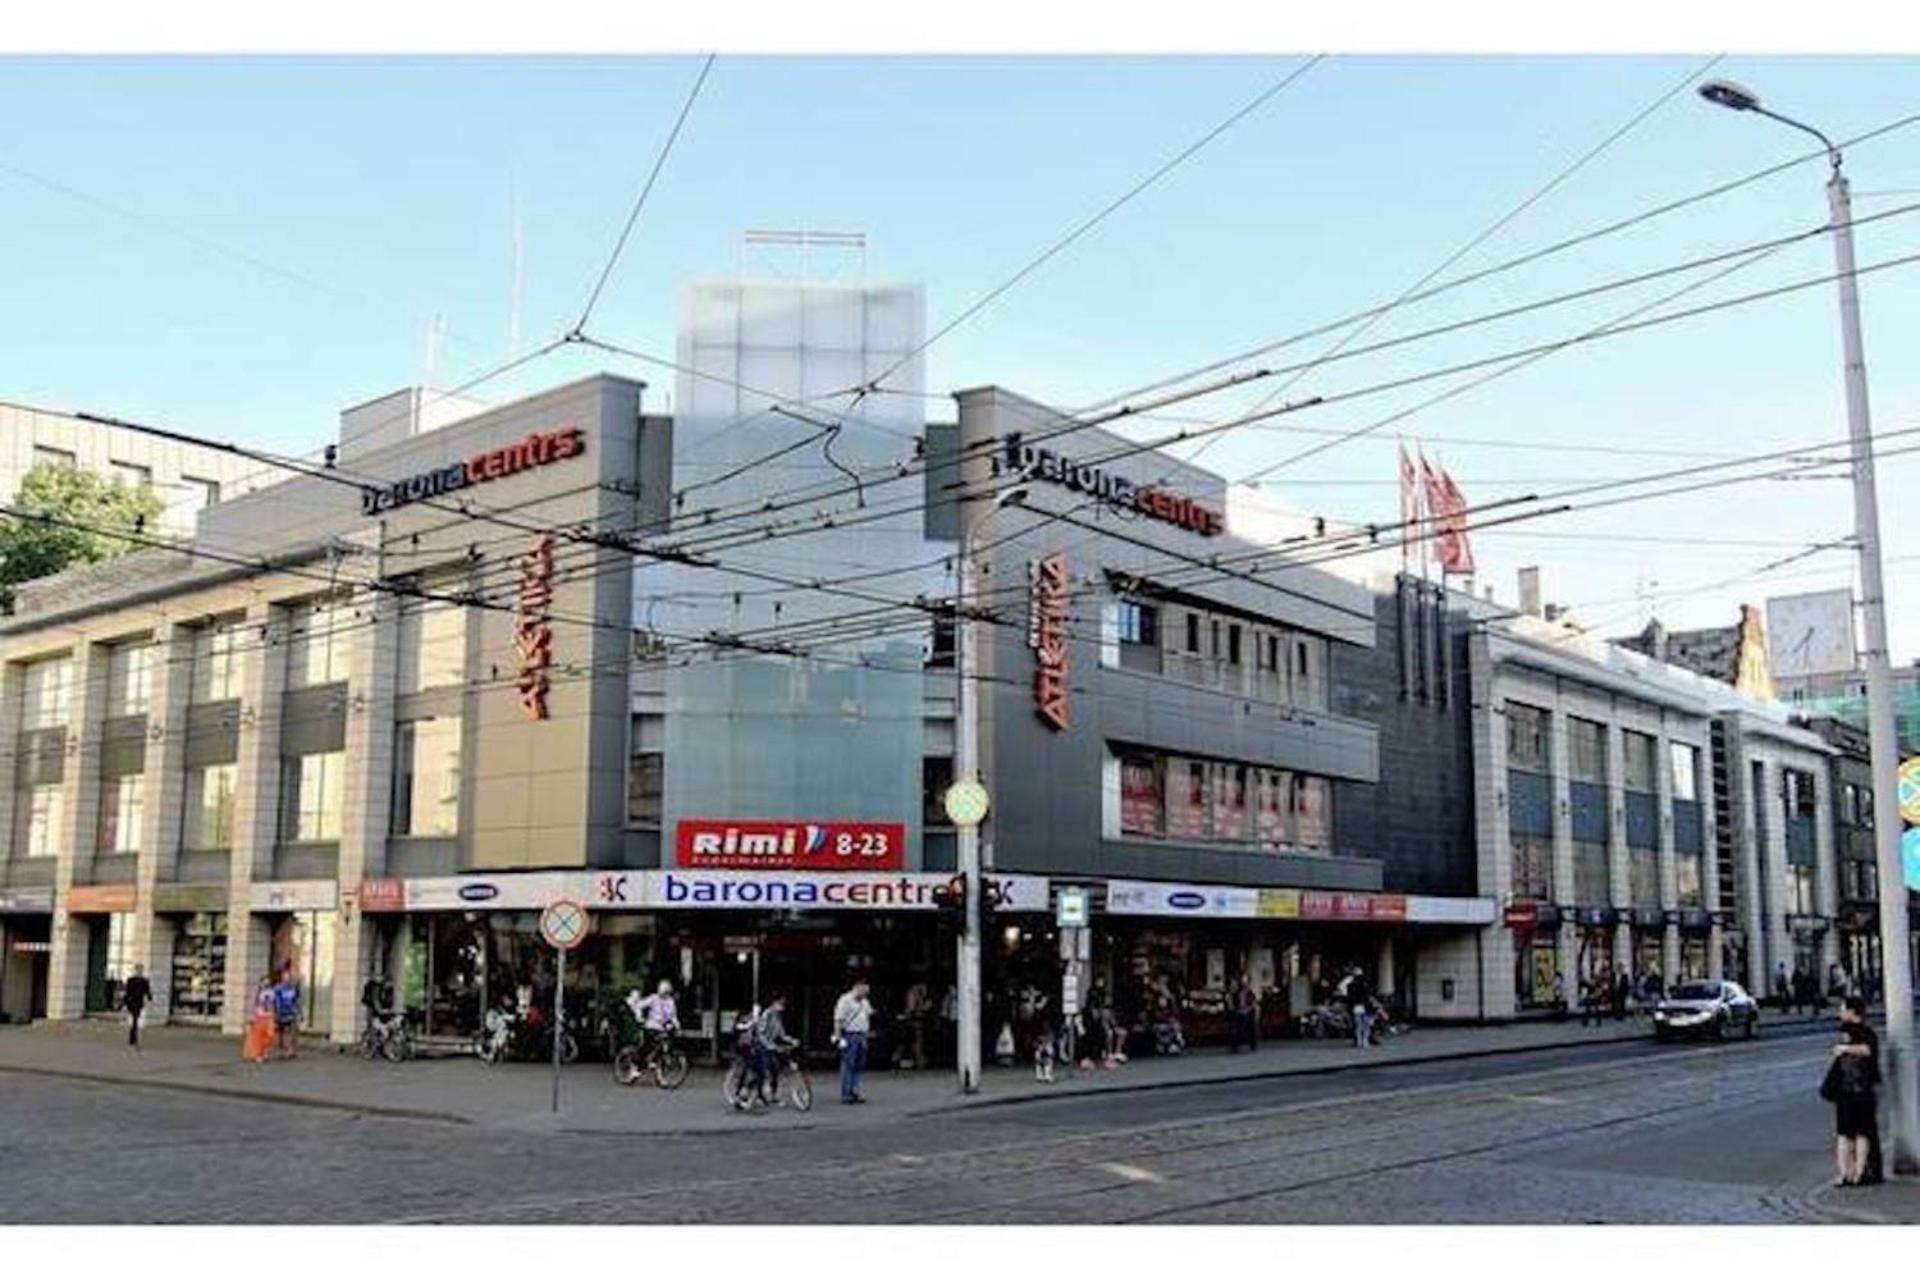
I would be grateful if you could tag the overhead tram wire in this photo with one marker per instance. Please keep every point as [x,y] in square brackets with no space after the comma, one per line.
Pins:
[1511,264]
[1486,234]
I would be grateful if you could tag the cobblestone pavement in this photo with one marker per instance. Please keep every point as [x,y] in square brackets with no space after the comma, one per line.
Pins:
[1597,1133]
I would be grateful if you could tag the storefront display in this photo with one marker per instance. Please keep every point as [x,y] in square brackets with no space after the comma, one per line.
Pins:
[304,940]
[199,967]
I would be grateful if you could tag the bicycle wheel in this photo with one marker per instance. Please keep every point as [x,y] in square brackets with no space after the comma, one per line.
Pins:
[799,1089]
[569,1047]
[626,1066]
[367,1048]
[670,1067]
[393,1047]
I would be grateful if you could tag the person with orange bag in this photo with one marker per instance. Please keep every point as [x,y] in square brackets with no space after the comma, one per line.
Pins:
[260,1023]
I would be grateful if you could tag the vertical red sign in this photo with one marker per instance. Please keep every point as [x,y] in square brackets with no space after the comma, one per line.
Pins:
[533,629]
[1047,636]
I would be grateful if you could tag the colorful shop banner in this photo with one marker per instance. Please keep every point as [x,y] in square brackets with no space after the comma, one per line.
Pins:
[383,895]
[724,890]
[101,899]
[525,891]
[1317,904]
[1165,898]
[1425,910]
[757,844]
[1278,904]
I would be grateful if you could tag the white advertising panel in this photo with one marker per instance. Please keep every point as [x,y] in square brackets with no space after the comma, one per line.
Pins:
[514,892]
[1160,898]
[1811,634]
[1450,910]
[294,895]
[695,890]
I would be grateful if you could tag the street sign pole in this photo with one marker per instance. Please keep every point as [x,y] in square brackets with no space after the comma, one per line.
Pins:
[564,925]
[559,1018]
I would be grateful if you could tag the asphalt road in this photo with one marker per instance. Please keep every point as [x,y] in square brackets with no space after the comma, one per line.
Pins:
[1638,1133]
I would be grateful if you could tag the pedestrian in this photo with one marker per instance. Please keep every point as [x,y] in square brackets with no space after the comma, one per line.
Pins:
[1246,1013]
[1559,996]
[1359,1000]
[950,1019]
[1622,989]
[286,1012]
[1782,989]
[259,1041]
[1853,1076]
[914,1015]
[134,998]
[852,1019]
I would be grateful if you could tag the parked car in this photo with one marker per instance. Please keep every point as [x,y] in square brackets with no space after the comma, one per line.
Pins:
[1716,1009]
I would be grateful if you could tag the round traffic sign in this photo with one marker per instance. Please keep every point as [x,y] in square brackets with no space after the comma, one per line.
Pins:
[1910,858]
[1910,791]
[564,924]
[966,803]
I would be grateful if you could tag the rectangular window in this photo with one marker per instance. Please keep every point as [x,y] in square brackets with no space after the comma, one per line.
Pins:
[944,638]
[1527,738]
[1188,812]
[1141,810]
[1586,750]
[1272,794]
[1230,802]
[1638,753]
[936,775]
[1311,812]
[41,821]
[1800,890]
[319,643]
[1592,887]
[1193,633]
[1309,672]
[426,780]
[48,694]
[433,645]
[314,786]
[1139,623]
[647,770]
[1644,871]
[130,678]
[1866,808]
[210,791]
[1532,866]
[1233,643]
[122,808]
[132,475]
[1690,882]
[1685,762]
[216,662]
[48,456]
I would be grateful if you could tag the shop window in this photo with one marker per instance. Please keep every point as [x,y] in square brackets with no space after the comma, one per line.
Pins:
[210,792]
[426,781]
[122,808]
[1141,810]
[313,787]
[1586,750]
[216,662]
[319,643]
[130,679]
[432,643]
[936,775]
[1591,885]
[1532,866]
[1527,747]
[1690,884]
[200,966]
[48,694]
[110,958]
[40,824]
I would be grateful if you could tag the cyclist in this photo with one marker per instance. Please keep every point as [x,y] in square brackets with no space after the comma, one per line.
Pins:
[770,1042]
[657,1014]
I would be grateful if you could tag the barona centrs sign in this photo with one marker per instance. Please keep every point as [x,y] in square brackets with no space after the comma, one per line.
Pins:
[1149,500]
[538,450]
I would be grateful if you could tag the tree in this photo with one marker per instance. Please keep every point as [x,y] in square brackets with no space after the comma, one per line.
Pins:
[64,516]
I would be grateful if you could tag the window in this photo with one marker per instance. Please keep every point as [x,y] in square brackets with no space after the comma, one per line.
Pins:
[1863,880]
[1193,633]
[313,786]
[647,770]
[48,694]
[1233,643]
[1141,811]
[433,645]
[48,456]
[207,492]
[944,637]
[1644,876]
[1139,623]
[132,475]
[1586,750]
[1273,793]
[1591,884]
[1311,812]
[1800,890]
[319,642]
[1533,866]
[1685,763]
[426,781]
[1188,812]
[41,822]
[123,804]
[216,662]
[1230,802]
[1638,752]
[936,775]
[129,679]
[1689,876]
[210,790]
[1865,808]
[1309,672]
[190,497]
[1527,738]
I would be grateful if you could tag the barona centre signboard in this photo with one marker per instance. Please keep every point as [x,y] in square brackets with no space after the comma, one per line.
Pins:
[1149,500]
[539,449]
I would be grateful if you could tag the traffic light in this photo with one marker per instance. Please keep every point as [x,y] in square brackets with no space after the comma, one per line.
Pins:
[950,899]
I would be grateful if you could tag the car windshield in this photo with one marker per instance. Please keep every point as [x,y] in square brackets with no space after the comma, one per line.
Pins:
[1696,991]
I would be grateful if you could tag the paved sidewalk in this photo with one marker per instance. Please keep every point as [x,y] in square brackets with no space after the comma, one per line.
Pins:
[1894,1202]
[518,1095]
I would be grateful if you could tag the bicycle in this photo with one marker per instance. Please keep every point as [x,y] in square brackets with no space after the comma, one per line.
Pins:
[746,1088]
[656,1053]
[386,1036]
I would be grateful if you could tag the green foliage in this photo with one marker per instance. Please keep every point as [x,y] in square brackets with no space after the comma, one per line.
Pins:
[68,517]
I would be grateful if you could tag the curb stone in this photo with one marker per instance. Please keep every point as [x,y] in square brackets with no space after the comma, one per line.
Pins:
[243,1095]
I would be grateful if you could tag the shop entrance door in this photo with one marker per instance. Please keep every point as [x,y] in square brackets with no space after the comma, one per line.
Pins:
[23,968]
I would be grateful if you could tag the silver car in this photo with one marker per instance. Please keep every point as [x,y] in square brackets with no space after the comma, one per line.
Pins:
[1705,1008]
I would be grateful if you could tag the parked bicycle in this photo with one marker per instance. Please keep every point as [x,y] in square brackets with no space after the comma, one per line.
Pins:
[387,1036]
[508,1036]
[656,1054]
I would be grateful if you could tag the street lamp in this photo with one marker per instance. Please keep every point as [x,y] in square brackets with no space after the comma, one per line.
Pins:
[966,768]
[1896,958]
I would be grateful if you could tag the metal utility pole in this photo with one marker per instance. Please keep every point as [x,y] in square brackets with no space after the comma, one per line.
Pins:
[1896,969]
[966,768]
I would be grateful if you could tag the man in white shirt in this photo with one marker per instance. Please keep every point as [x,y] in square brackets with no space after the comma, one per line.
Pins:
[852,1019]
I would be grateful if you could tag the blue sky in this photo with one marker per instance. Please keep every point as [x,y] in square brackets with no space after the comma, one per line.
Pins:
[370,194]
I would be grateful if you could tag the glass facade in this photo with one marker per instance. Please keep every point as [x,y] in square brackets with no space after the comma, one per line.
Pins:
[122,811]
[433,643]
[130,679]
[319,642]
[216,662]
[312,791]
[1220,802]
[426,784]
[209,811]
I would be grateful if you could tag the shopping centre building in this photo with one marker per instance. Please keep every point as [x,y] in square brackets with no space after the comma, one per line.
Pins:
[697,671]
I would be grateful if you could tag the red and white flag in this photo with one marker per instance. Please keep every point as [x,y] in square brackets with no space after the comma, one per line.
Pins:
[1409,507]
[1450,511]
